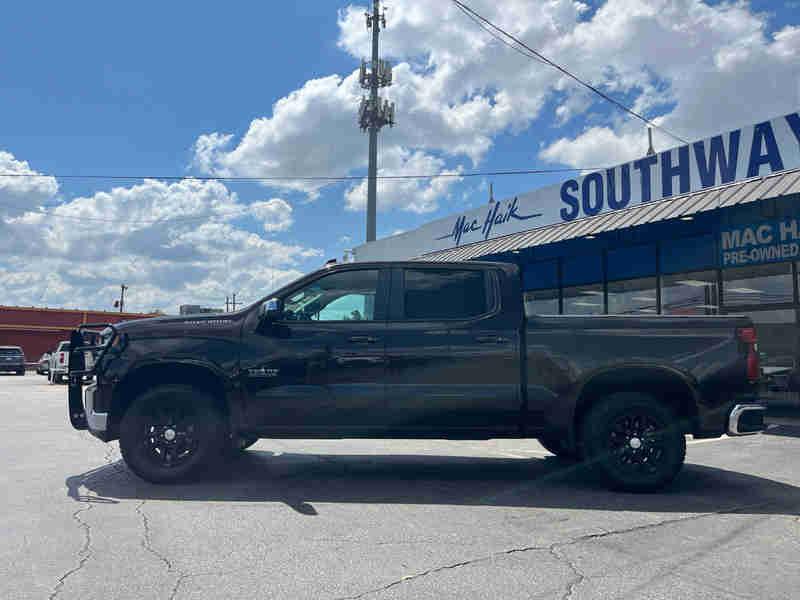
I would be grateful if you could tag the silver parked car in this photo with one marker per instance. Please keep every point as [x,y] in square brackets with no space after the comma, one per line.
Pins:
[43,368]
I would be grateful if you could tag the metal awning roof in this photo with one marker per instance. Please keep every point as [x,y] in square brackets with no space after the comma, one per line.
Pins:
[732,194]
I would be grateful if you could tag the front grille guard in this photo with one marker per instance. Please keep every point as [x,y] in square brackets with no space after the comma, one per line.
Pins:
[77,364]
[77,368]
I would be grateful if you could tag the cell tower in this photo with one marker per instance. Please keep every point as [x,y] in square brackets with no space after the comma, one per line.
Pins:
[374,112]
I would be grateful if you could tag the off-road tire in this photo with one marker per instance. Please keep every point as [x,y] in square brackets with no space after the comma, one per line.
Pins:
[635,441]
[197,434]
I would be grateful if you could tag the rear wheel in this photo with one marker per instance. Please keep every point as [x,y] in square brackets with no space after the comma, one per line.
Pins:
[170,432]
[635,440]
[22,372]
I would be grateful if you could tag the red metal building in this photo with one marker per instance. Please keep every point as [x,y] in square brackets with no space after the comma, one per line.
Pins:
[38,330]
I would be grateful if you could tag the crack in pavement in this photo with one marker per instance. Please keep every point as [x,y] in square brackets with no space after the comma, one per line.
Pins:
[553,549]
[579,576]
[445,568]
[146,542]
[177,586]
[84,554]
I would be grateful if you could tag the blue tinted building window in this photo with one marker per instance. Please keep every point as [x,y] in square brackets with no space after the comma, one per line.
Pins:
[629,263]
[540,276]
[580,270]
[687,254]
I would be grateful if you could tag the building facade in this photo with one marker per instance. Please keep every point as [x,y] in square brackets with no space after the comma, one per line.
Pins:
[679,240]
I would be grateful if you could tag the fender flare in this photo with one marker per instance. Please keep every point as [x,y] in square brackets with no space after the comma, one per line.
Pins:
[575,407]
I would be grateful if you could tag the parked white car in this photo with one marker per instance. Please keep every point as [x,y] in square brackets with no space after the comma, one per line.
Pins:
[59,363]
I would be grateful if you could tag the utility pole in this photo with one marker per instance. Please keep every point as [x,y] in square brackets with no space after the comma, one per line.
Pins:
[234,303]
[374,112]
[227,304]
[123,287]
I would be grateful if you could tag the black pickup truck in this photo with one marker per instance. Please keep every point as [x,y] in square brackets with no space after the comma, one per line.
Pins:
[417,350]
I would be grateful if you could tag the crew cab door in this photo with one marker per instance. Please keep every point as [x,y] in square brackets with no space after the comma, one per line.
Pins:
[321,365]
[453,356]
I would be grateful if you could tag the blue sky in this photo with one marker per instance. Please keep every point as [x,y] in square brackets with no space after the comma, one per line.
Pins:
[107,89]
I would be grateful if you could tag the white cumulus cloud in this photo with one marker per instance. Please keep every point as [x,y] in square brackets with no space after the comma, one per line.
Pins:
[171,243]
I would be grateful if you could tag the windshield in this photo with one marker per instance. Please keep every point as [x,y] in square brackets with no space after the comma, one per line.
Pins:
[10,352]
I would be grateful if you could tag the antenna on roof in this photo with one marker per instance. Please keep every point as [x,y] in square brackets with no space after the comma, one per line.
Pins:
[650,151]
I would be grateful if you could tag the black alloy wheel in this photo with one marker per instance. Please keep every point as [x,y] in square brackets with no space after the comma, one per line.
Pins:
[635,440]
[169,433]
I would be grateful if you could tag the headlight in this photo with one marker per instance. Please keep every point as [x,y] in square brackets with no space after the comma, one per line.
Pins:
[107,334]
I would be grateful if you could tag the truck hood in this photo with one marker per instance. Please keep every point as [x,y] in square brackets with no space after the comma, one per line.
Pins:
[188,325]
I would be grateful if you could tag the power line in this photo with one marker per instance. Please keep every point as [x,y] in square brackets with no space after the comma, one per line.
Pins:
[242,213]
[467,10]
[500,38]
[306,177]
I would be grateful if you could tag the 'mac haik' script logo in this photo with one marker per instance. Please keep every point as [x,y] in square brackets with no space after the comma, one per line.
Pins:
[495,216]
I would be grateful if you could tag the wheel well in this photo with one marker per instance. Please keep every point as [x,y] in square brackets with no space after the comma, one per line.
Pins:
[145,378]
[669,388]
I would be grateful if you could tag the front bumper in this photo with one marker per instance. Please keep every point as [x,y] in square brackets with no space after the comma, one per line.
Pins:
[97,422]
[746,419]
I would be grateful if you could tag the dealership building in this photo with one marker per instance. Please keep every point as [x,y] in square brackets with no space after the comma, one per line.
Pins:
[711,227]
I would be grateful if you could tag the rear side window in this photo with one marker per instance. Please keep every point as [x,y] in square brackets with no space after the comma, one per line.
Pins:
[444,294]
[64,347]
[10,352]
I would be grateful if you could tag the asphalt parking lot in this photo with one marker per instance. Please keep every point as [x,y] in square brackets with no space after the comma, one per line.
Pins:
[376,519]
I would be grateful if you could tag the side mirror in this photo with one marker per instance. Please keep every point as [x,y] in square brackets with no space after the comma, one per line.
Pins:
[270,310]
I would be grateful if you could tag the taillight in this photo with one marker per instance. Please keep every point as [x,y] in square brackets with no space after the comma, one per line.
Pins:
[747,335]
[753,366]
[61,358]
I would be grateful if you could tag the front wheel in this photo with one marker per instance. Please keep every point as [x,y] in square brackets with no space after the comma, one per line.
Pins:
[171,432]
[635,440]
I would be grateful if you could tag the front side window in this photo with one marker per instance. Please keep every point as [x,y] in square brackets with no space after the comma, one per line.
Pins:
[346,296]
[444,294]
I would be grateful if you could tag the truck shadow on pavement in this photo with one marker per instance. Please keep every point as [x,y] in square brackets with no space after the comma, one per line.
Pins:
[301,480]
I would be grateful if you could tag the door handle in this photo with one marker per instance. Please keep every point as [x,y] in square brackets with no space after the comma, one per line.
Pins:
[362,339]
[491,339]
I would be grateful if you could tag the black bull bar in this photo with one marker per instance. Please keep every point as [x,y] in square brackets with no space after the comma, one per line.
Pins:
[77,370]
